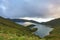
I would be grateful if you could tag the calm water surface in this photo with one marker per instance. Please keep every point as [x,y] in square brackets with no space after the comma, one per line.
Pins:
[43,30]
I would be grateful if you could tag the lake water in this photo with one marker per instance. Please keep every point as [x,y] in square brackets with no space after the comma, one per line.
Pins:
[43,30]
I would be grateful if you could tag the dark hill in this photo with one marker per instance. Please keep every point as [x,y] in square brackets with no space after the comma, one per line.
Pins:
[24,20]
[55,22]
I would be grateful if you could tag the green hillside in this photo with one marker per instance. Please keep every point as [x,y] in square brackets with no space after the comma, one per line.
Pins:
[55,34]
[12,31]
[9,30]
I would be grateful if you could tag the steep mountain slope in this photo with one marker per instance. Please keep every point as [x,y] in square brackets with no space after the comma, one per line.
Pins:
[12,31]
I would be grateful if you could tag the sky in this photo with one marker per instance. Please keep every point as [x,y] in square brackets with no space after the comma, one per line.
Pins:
[30,9]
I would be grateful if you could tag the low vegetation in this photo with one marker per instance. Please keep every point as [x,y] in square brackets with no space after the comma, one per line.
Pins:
[12,31]
[55,34]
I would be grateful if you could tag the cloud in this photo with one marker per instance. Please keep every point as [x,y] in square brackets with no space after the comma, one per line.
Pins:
[32,8]
[38,19]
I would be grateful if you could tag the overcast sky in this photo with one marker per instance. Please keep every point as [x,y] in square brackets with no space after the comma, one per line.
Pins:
[30,8]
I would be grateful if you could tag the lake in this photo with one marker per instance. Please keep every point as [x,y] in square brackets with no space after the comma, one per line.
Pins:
[43,30]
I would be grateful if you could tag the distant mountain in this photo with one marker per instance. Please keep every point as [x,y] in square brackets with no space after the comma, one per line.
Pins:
[24,20]
[9,30]
[55,22]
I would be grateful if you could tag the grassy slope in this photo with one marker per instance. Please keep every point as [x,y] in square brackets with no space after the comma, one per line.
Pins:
[12,31]
[55,34]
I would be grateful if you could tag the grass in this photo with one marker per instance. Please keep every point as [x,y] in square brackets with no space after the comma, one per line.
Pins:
[12,31]
[8,33]
[55,34]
